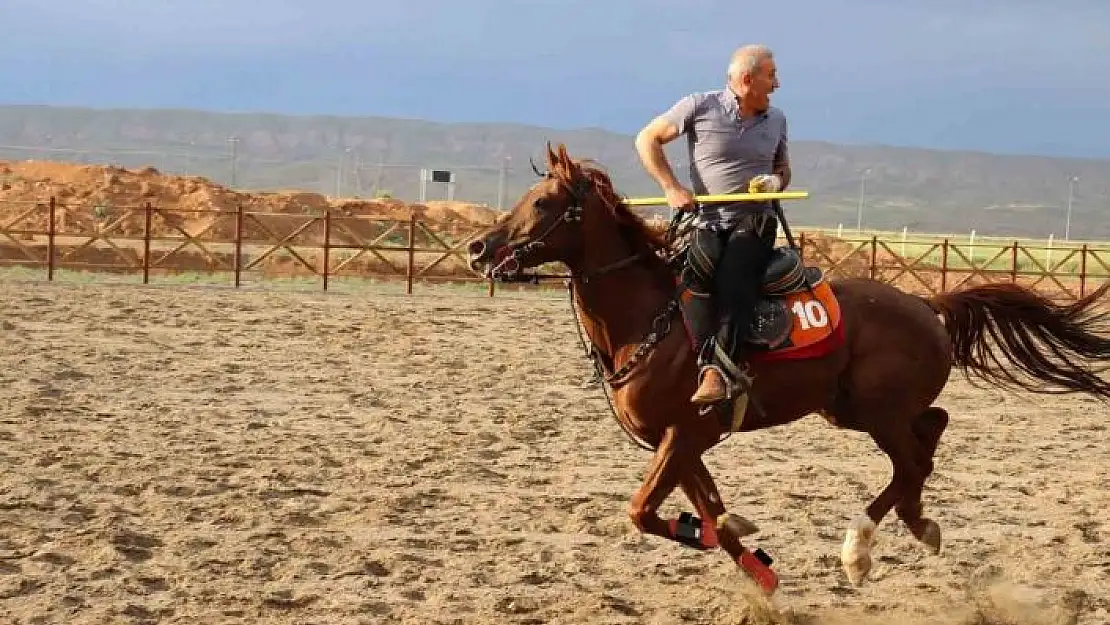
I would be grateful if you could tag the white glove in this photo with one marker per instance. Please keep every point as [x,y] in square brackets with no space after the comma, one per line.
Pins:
[765,183]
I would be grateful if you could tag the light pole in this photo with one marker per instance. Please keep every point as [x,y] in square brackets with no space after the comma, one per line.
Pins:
[502,176]
[233,148]
[859,209]
[1071,196]
[339,172]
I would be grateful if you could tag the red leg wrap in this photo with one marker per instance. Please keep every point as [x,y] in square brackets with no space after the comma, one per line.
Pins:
[759,569]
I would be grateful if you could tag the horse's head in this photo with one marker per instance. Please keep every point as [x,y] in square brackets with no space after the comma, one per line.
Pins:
[547,223]
[553,221]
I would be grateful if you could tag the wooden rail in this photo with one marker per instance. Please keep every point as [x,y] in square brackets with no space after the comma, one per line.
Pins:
[151,241]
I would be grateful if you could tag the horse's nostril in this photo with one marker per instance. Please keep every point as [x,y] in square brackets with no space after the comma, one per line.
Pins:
[476,248]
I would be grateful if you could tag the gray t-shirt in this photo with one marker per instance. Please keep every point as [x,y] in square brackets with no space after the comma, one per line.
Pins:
[726,152]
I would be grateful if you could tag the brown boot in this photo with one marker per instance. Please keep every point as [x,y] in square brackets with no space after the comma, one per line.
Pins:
[712,388]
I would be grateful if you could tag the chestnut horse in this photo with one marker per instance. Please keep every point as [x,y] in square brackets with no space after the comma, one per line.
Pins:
[877,371]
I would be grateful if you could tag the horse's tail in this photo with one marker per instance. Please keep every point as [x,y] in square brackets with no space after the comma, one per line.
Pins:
[1052,348]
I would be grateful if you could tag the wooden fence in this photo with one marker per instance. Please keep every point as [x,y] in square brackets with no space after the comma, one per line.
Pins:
[933,266]
[153,241]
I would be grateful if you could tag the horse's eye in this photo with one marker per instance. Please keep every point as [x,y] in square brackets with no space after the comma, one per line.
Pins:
[540,203]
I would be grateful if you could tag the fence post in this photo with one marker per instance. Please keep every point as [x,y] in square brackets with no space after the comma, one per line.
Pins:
[412,253]
[327,243]
[50,239]
[238,264]
[944,267]
[1083,271]
[146,243]
[1013,263]
[874,255]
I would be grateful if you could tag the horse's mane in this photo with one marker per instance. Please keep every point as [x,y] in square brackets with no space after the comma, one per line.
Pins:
[635,231]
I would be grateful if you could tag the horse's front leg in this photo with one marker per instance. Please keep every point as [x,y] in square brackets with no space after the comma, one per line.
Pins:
[699,487]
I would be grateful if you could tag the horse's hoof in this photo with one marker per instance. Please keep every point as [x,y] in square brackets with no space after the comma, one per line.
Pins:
[930,535]
[855,555]
[857,568]
[736,525]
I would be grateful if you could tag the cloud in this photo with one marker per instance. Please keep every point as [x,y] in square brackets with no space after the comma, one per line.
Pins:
[866,69]
[197,27]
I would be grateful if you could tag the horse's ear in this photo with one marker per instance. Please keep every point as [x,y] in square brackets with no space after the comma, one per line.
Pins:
[569,165]
[563,156]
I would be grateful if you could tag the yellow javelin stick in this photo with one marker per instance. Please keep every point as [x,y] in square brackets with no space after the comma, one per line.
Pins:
[724,197]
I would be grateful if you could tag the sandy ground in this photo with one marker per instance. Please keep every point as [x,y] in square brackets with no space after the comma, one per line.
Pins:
[204,455]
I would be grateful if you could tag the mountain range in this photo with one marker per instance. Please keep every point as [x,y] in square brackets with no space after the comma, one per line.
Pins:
[902,187]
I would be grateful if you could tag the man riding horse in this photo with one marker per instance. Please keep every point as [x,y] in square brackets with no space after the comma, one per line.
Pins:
[736,142]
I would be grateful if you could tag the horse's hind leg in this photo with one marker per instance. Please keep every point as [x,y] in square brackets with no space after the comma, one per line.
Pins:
[927,429]
[896,438]
[701,490]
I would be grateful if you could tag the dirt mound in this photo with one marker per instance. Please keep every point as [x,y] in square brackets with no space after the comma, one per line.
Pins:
[851,260]
[105,192]
[106,204]
[444,211]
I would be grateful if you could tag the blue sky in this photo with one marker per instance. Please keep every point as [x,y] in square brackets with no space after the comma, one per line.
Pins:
[1027,76]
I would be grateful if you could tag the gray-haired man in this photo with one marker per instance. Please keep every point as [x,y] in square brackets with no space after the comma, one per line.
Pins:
[737,143]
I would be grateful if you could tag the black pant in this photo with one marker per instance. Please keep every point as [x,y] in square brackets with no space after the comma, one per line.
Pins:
[724,270]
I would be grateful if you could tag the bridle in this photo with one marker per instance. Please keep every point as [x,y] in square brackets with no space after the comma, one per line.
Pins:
[510,269]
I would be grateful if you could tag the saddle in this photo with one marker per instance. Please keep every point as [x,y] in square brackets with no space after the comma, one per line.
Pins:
[796,307]
[786,274]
